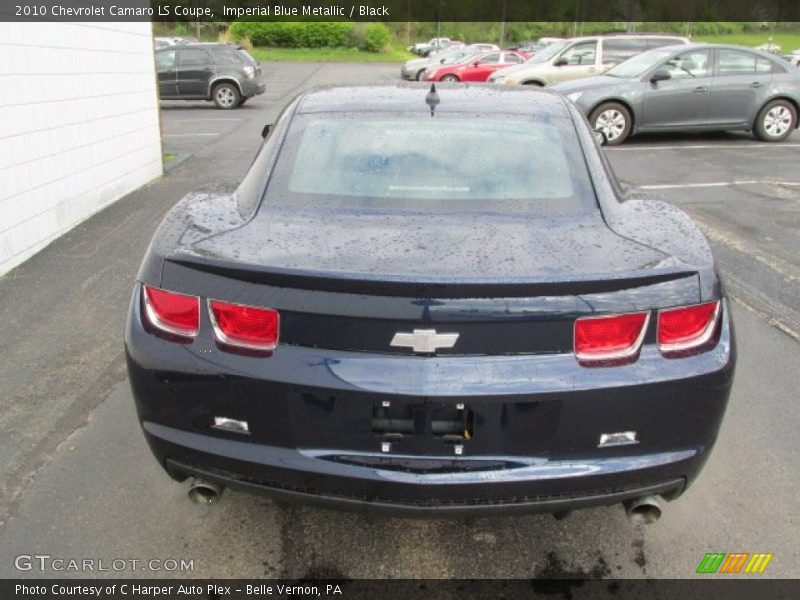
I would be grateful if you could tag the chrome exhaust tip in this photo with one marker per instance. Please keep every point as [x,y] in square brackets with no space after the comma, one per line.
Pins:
[204,492]
[643,511]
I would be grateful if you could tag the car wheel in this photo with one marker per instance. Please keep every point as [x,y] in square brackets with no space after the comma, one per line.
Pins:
[614,120]
[226,96]
[419,74]
[776,121]
[532,83]
[450,78]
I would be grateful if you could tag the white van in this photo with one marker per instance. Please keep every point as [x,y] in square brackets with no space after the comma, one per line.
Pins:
[580,57]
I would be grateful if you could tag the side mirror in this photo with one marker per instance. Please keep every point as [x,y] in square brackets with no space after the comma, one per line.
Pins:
[560,62]
[660,75]
[600,137]
[476,63]
[441,62]
[266,130]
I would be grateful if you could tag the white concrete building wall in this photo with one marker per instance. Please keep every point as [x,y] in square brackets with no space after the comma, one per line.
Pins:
[79,126]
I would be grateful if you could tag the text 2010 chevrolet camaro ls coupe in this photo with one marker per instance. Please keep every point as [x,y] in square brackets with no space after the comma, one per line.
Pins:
[506,331]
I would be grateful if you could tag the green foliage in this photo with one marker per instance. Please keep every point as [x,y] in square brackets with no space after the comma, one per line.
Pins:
[314,34]
[376,37]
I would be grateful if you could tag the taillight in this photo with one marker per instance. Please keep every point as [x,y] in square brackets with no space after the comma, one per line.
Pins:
[686,328]
[247,327]
[610,338]
[169,312]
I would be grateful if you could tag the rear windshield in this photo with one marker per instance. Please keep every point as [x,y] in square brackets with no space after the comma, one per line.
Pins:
[247,56]
[451,160]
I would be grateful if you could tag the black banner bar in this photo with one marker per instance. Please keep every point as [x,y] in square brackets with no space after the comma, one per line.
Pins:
[402,10]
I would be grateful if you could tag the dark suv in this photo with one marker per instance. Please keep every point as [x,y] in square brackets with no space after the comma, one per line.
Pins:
[223,73]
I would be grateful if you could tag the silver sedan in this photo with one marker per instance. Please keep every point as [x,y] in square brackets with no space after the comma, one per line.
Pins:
[699,87]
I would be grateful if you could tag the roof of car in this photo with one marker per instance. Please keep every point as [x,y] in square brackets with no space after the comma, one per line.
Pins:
[206,45]
[633,36]
[709,46]
[456,98]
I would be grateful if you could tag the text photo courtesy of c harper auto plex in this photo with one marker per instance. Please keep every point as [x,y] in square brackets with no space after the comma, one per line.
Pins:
[399,299]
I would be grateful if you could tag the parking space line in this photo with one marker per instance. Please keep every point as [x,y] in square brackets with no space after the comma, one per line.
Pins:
[190,135]
[673,186]
[743,146]
[770,259]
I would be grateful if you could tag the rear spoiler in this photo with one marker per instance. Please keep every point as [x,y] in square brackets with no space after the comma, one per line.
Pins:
[395,286]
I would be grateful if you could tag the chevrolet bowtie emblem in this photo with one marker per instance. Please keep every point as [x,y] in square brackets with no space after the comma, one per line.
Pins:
[424,340]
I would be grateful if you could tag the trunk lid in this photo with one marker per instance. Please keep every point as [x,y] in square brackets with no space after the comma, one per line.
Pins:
[507,284]
[418,248]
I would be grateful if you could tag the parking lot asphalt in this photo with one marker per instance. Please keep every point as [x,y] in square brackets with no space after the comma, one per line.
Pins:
[79,482]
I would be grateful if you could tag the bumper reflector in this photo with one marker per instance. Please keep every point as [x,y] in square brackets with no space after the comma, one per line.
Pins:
[226,424]
[621,438]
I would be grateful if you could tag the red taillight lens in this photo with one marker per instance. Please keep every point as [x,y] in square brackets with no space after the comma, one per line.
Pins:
[688,327]
[245,327]
[609,338]
[176,314]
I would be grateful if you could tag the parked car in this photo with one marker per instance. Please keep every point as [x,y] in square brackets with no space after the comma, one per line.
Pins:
[700,87]
[163,42]
[580,57]
[793,58]
[222,73]
[415,68]
[532,47]
[425,48]
[492,335]
[483,47]
[477,68]
[770,48]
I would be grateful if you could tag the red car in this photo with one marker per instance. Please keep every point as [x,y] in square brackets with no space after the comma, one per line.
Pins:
[478,68]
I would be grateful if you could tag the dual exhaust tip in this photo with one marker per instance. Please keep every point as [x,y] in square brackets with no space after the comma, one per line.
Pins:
[643,511]
[640,511]
[204,492]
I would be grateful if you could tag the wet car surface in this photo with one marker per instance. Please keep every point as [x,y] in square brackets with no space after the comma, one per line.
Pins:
[482,340]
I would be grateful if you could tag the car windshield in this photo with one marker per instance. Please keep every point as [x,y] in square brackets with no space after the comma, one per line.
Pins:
[548,52]
[451,161]
[451,56]
[468,57]
[639,65]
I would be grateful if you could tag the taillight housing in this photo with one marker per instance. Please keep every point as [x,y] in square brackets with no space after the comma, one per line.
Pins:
[241,327]
[687,329]
[610,339]
[177,315]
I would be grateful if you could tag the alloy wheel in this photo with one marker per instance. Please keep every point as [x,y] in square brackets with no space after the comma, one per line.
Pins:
[611,122]
[777,121]
[225,96]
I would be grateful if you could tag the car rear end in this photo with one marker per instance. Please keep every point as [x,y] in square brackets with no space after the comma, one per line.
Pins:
[406,359]
[252,81]
[512,421]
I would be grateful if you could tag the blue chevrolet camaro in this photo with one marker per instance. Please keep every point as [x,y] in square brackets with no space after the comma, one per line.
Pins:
[506,331]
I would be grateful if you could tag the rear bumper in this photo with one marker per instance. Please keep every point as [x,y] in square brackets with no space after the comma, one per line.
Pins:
[253,87]
[533,445]
[519,503]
